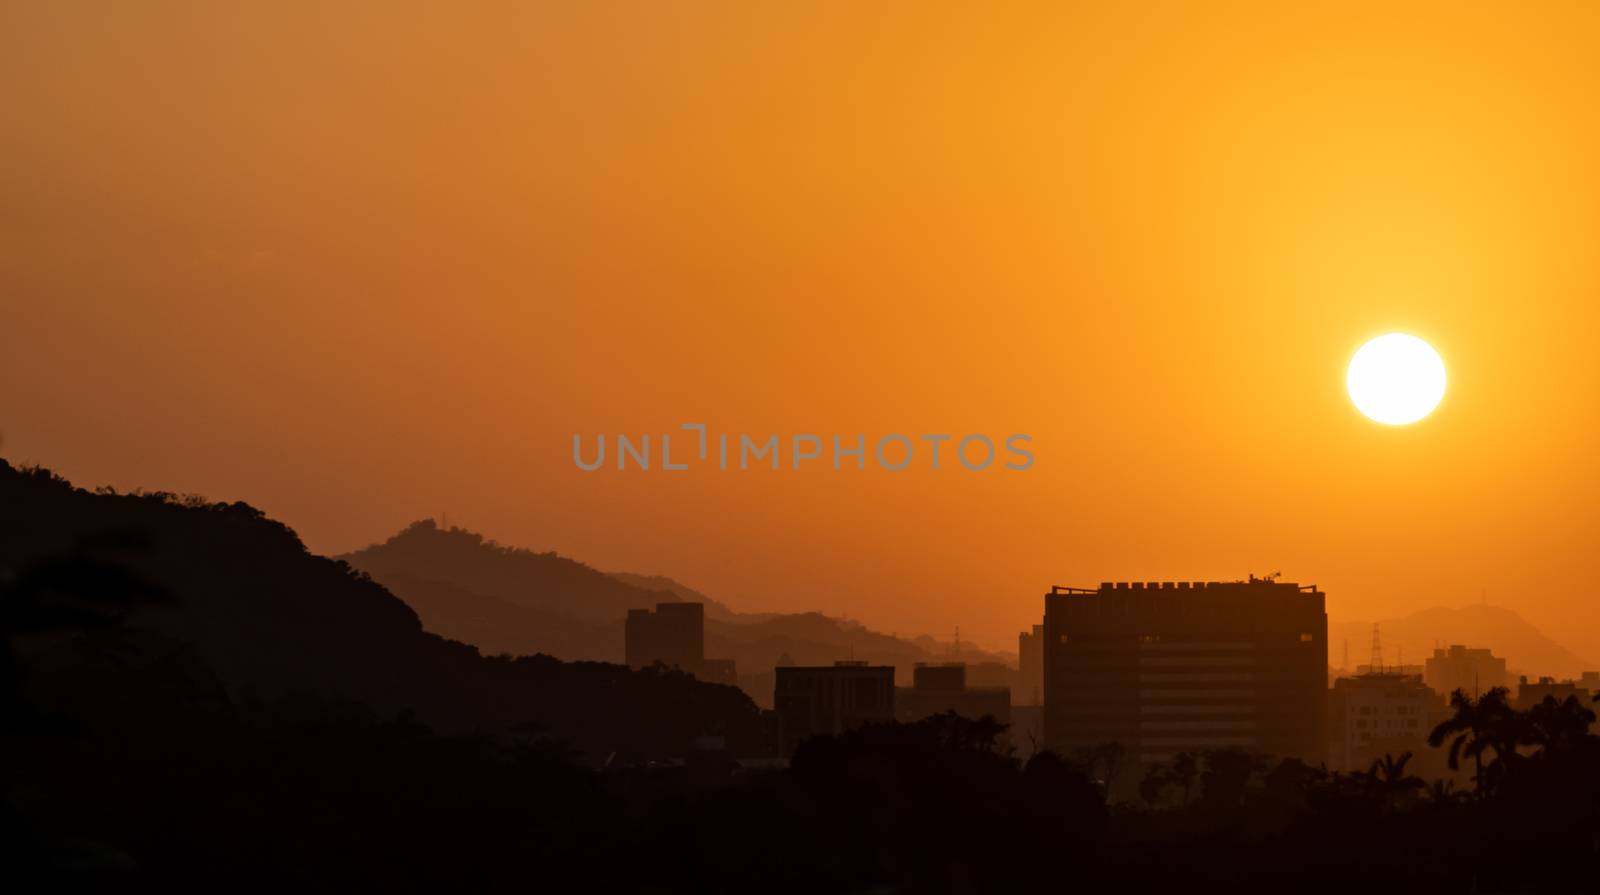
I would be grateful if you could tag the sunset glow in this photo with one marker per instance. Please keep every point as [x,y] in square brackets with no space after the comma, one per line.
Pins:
[363,265]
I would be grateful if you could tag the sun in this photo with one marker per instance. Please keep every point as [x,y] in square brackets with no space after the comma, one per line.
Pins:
[1396,379]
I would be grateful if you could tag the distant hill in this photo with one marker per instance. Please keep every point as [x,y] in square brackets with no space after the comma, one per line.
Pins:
[501,627]
[661,583]
[1527,650]
[763,639]
[505,599]
[543,581]
[250,623]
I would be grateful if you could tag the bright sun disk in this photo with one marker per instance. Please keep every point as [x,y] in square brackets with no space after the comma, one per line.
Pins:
[1396,379]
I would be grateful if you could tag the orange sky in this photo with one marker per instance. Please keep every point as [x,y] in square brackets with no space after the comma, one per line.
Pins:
[367,265]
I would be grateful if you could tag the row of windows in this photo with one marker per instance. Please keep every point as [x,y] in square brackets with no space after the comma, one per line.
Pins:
[1394,710]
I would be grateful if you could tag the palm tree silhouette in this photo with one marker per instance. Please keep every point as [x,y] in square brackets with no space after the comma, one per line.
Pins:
[1389,778]
[1557,726]
[1485,724]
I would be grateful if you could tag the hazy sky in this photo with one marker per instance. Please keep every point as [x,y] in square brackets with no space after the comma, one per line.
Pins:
[371,263]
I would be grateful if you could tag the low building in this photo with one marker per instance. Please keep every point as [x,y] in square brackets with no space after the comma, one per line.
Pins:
[828,700]
[1530,694]
[1472,671]
[942,687]
[1374,714]
[674,634]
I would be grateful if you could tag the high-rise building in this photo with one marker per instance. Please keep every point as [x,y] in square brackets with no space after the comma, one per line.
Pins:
[1030,665]
[1169,667]
[674,635]
[830,699]
[1472,671]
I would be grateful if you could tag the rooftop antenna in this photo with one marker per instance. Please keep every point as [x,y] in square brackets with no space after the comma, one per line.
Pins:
[1377,652]
[955,648]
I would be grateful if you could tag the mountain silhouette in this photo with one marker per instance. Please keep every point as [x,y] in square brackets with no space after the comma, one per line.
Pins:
[517,601]
[255,625]
[1413,637]
[761,638]
[714,608]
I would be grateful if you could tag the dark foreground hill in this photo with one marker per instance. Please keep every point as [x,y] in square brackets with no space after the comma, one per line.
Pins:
[218,609]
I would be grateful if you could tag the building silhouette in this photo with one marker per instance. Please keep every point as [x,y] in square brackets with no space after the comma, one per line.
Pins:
[1472,671]
[1169,667]
[1030,665]
[1584,689]
[1380,712]
[817,700]
[942,687]
[674,635]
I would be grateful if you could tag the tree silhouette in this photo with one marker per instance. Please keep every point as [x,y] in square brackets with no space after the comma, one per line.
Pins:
[1388,777]
[1181,773]
[1104,761]
[1485,724]
[1555,727]
[1227,775]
